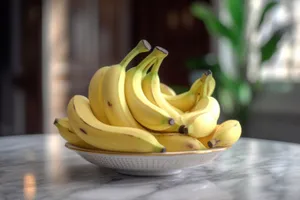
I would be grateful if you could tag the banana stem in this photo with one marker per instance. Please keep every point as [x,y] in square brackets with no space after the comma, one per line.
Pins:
[142,46]
[157,65]
[148,67]
[146,63]
[163,54]
[155,54]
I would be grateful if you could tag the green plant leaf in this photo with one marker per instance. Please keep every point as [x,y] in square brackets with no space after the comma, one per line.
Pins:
[268,49]
[269,6]
[244,93]
[227,100]
[213,24]
[236,9]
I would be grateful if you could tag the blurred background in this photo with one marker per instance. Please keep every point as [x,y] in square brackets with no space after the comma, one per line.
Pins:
[50,49]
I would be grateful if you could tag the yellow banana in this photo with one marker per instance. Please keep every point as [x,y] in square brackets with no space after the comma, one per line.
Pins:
[207,108]
[146,85]
[175,142]
[151,86]
[208,86]
[187,100]
[68,134]
[206,139]
[145,112]
[202,125]
[206,104]
[107,137]
[165,89]
[95,94]
[226,134]
[113,90]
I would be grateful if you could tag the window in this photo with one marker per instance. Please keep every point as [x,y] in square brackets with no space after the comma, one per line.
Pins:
[285,64]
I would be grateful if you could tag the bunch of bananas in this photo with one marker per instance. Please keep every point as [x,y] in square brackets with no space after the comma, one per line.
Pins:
[132,111]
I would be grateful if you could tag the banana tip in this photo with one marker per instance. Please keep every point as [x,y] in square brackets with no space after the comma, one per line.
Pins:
[55,121]
[163,150]
[209,144]
[208,72]
[183,129]
[171,121]
[146,44]
[162,49]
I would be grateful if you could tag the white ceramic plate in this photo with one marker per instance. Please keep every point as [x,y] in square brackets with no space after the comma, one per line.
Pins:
[147,164]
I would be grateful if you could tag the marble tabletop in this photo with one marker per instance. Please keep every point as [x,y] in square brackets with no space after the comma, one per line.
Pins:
[40,167]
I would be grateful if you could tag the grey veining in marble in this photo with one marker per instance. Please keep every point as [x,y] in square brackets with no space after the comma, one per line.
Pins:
[40,167]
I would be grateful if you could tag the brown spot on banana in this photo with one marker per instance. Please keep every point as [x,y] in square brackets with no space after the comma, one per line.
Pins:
[189,145]
[109,104]
[83,131]
[71,131]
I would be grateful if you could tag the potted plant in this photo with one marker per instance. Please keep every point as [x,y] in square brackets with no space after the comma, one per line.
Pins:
[235,94]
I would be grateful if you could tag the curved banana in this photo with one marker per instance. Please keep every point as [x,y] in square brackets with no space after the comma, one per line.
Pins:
[202,125]
[185,101]
[145,112]
[146,85]
[175,142]
[95,94]
[113,90]
[151,87]
[68,134]
[226,134]
[107,137]
[165,89]
[206,104]
[206,139]
[208,86]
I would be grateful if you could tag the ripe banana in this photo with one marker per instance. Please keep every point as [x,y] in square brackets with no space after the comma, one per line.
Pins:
[113,90]
[175,142]
[208,86]
[151,87]
[202,125]
[165,89]
[95,94]
[226,134]
[146,85]
[206,139]
[145,112]
[206,104]
[68,134]
[187,100]
[107,137]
